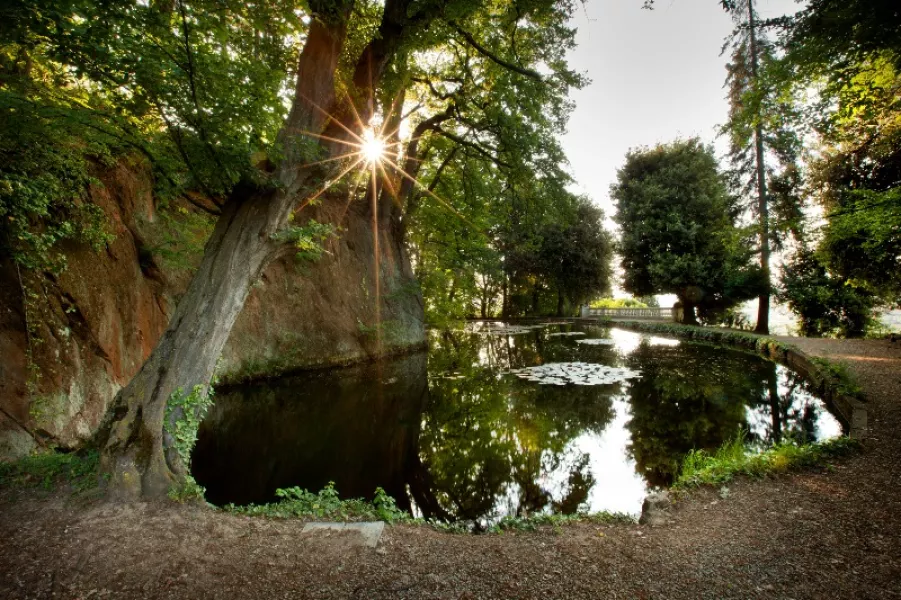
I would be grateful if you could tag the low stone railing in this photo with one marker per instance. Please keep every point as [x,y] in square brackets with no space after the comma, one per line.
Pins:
[662,314]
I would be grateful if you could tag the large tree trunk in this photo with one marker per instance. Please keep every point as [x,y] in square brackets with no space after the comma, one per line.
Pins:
[688,313]
[138,454]
[560,303]
[763,306]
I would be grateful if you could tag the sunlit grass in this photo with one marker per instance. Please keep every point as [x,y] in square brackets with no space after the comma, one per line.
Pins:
[735,458]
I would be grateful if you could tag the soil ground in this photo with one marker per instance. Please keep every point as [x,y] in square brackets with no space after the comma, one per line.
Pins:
[834,533]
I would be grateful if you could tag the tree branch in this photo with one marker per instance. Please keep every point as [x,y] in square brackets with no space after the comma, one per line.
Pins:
[494,57]
[472,145]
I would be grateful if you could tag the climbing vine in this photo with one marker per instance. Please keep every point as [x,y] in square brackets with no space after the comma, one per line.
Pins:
[184,413]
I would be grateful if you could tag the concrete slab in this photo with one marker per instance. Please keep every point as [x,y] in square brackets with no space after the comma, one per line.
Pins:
[370,532]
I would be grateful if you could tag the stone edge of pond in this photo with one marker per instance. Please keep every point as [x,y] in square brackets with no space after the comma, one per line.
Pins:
[840,394]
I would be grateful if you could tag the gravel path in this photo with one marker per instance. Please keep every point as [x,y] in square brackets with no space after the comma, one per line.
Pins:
[832,534]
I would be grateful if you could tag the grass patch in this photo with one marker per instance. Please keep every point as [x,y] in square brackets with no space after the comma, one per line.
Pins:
[48,469]
[736,458]
[839,377]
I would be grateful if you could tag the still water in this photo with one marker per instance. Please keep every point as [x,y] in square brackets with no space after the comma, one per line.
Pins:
[452,434]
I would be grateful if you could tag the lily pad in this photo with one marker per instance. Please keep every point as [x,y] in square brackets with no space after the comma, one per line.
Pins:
[576,373]
[597,342]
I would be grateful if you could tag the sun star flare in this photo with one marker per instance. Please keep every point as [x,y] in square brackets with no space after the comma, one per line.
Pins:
[373,147]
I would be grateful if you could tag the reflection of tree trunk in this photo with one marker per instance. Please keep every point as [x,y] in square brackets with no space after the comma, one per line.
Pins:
[688,313]
[419,480]
[775,406]
[422,489]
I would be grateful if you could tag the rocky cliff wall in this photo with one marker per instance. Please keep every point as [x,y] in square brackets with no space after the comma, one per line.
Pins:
[70,341]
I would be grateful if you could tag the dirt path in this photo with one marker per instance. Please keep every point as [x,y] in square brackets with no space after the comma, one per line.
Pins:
[817,535]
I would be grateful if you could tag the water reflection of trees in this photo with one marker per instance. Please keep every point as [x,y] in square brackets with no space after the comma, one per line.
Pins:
[785,410]
[688,398]
[698,397]
[490,441]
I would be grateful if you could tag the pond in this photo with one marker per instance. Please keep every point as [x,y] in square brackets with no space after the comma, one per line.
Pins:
[468,432]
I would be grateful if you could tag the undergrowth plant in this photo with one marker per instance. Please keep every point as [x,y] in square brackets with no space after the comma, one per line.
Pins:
[184,413]
[533,522]
[326,504]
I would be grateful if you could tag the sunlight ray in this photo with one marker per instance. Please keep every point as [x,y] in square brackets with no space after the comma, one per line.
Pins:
[390,185]
[329,138]
[333,118]
[329,184]
[333,159]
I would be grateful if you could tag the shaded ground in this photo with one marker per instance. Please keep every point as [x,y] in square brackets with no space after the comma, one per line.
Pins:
[834,534]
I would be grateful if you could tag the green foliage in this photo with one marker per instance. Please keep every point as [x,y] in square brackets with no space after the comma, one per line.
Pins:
[179,239]
[575,255]
[49,468]
[494,163]
[327,505]
[678,229]
[618,303]
[825,303]
[307,238]
[47,165]
[849,52]
[734,458]
[862,243]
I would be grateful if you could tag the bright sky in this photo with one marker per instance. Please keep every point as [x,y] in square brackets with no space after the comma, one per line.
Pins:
[656,75]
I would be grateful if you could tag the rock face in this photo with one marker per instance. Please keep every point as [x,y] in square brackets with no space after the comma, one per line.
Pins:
[85,332]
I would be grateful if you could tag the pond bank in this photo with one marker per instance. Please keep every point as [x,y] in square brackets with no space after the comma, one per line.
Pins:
[835,533]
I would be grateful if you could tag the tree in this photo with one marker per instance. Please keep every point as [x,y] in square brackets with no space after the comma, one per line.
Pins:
[850,52]
[575,256]
[678,232]
[761,138]
[207,80]
[825,303]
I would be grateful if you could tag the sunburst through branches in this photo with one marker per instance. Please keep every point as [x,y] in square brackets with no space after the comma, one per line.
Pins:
[371,153]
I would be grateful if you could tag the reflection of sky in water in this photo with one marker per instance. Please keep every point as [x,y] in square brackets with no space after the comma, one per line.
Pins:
[618,487]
